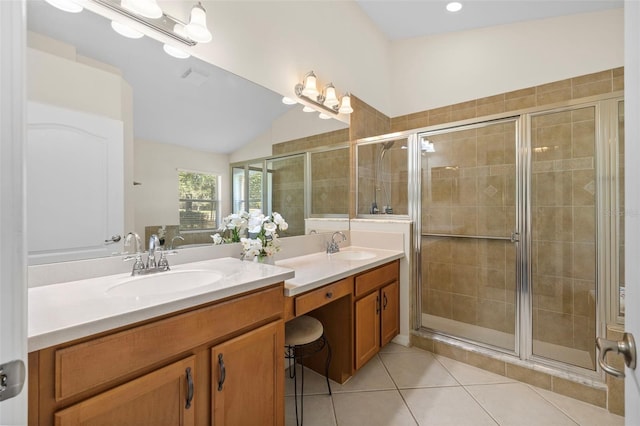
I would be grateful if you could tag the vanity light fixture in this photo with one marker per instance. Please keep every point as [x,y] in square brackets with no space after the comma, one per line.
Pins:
[150,15]
[327,100]
[66,5]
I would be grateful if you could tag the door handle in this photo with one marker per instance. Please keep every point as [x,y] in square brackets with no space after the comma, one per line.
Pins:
[626,347]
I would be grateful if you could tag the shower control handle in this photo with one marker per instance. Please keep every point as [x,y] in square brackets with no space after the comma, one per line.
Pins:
[626,347]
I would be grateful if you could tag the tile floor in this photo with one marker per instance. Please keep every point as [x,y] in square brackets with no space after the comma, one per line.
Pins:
[409,386]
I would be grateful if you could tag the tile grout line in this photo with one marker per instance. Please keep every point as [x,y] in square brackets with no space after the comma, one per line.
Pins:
[398,390]
[533,388]
[467,391]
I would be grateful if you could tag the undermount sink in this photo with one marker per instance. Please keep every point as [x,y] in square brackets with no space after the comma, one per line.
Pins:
[352,255]
[164,283]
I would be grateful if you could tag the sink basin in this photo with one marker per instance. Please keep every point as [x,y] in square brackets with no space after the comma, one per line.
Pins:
[164,283]
[352,255]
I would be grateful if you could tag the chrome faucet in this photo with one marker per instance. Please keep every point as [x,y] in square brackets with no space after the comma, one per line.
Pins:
[138,264]
[333,247]
[154,243]
[139,268]
[177,237]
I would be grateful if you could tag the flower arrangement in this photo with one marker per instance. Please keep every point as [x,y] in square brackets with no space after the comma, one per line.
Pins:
[235,226]
[263,237]
[261,231]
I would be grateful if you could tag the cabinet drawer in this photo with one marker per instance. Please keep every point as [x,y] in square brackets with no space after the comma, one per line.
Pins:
[323,295]
[376,278]
[86,365]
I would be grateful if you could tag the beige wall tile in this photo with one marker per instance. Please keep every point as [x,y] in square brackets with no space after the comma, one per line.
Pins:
[578,391]
[526,375]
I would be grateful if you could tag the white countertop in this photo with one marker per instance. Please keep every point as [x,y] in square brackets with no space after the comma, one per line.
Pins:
[63,312]
[318,269]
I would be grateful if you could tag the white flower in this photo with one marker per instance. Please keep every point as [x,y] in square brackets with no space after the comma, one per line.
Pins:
[270,228]
[217,239]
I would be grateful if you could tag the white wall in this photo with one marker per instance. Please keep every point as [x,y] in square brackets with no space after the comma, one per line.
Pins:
[156,169]
[441,70]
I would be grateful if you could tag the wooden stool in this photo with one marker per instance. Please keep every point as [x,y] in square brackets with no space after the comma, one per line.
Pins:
[304,336]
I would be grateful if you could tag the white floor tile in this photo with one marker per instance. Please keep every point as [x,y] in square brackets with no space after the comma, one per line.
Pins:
[318,411]
[373,376]
[469,375]
[415,370]
[581,412]
[516,404]
[394,348]
[379,408]
[314,383]
[449,406]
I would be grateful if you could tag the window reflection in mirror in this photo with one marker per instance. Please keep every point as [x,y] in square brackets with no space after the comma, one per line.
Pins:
[383,178]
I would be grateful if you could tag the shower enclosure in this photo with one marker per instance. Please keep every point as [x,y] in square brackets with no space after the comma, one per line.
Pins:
[519,236]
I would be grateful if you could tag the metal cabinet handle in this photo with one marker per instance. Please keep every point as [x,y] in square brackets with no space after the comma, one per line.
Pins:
[626,347]
[377,305]
[329,295]
[384,303]
[223,372]
[189,388]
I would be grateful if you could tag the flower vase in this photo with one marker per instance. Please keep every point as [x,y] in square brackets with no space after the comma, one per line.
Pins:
[267,260]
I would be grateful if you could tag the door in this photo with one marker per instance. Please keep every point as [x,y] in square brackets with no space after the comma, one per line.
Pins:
[367,324]
[75,169]
[247,384]
[632,199]
[13,282]
[162,397]
[390,322]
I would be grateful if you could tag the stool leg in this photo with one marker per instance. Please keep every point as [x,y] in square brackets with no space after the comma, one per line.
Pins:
[326,371]
[295,390]
[301,394]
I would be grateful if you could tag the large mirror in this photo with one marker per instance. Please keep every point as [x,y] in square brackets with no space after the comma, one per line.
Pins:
[177,121]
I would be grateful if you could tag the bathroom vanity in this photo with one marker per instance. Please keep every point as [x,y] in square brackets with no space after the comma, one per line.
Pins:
[211,354]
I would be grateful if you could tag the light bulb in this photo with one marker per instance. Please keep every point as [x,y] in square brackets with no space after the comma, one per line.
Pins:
[324,116]
[330,98]
[288,101]
[66,5]
[310,88]
[345,105]
[176,52]
[146,8]
[307,109]
[454,6]
[197,28]
[125,30]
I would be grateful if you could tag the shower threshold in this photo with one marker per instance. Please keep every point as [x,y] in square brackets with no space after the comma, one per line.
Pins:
[488,336]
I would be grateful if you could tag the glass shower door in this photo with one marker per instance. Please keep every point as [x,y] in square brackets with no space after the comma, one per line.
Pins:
[563,235]
[468,217]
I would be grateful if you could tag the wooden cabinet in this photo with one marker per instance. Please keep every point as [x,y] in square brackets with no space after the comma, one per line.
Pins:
[163,397]
[377,318]
[248,378]
[160,372]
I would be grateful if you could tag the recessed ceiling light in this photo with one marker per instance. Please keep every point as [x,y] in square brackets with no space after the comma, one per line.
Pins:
[454,6]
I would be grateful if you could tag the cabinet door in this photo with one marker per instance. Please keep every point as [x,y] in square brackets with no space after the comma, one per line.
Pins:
[367,328]
[390,322]
[163,397]
[248,378]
